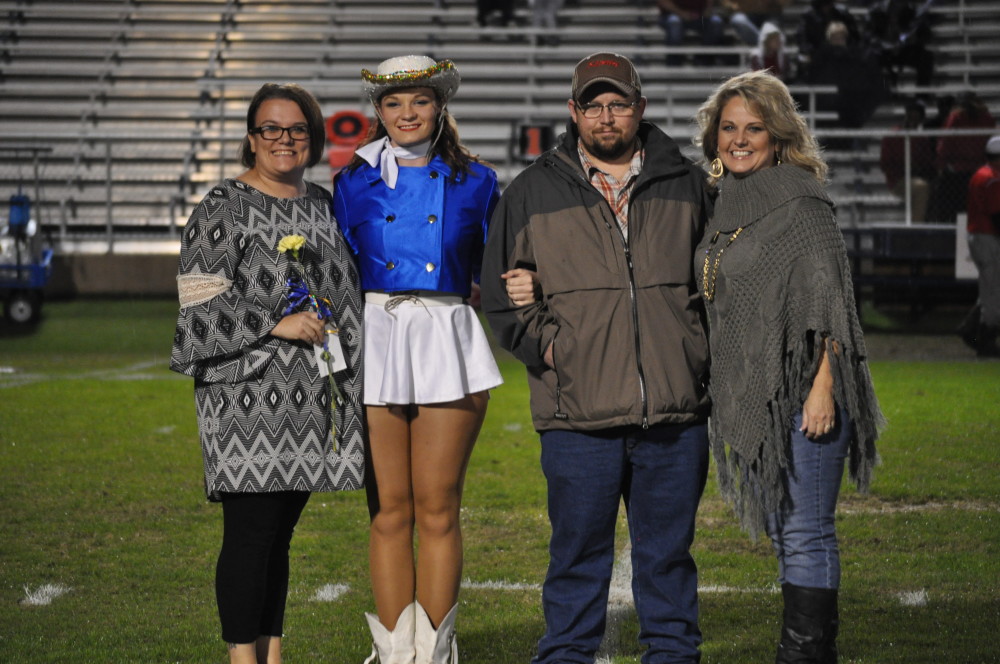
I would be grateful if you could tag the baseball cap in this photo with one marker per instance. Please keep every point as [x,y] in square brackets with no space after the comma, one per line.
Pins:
[611,68]
[993,147]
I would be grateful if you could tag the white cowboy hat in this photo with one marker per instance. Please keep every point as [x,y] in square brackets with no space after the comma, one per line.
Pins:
[409,71]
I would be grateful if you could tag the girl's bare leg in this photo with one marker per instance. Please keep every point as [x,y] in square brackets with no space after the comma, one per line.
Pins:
[390,549]
[442,436]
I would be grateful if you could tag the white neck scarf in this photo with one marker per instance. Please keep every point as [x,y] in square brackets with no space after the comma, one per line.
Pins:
[385,155]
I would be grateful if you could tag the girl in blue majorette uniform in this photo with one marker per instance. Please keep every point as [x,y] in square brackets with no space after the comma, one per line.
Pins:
[414,206]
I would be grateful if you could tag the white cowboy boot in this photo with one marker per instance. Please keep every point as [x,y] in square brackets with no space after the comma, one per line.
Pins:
[436,646]
[395,647]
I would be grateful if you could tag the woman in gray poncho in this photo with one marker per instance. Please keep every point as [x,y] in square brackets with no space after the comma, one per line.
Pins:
[791,394]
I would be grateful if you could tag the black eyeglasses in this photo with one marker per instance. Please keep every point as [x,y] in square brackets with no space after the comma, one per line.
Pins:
[273,132]
[617,108]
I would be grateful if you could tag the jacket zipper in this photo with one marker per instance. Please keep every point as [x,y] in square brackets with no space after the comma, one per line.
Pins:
[632,295]
[635,319]
[559,414]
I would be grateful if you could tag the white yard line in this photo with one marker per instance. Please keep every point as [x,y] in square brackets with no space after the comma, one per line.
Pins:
[499,585]
[43,594]
[331,592]
[913,598]
[903,508]
[723,590]
[11,378]
[620,605]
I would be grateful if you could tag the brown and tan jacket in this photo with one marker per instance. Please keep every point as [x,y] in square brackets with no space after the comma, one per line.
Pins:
[626,319]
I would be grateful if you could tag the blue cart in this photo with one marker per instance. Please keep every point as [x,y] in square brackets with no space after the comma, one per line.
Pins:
[24,266]
[23,270]
[21,287]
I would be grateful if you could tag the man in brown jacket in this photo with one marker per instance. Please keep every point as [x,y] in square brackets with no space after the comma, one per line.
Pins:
[617,358]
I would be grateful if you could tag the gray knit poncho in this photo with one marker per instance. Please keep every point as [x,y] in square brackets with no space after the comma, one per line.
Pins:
[781,287]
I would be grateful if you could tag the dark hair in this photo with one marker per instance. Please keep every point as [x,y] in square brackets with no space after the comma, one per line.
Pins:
[448,145]
[944,104]
[916,106]
[972,105]
[306,103]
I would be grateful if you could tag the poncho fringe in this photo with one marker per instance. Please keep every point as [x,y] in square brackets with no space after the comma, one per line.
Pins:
[816,310]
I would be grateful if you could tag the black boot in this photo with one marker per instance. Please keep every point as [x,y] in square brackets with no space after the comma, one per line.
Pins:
[969,329]
[986,341]
[809,632]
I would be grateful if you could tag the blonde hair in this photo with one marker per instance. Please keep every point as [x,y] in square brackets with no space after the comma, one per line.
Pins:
[838,30]
[767,97]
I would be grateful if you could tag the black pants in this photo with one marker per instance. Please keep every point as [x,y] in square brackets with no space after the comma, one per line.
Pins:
[251,577]
[486,7]
[949,196]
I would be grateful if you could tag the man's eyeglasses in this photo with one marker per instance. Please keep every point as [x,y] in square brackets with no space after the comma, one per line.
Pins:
[617,108]
[273,133]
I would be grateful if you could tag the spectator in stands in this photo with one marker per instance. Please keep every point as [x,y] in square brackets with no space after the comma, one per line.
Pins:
[943,106]
[983,324]
[790,386]
[273,426]
[893,161]
[749,16]
[959,156]
[812,30]
[860,87]
[770,53]
[485,8]
[545,16]
[610,218]
[676,16]
[414,206]
[902,33]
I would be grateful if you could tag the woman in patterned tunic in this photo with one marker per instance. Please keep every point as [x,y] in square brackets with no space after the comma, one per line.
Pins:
[264,407]
[414,206]
[792,397]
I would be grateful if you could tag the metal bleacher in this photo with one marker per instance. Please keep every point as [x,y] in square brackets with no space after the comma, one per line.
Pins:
[142,103]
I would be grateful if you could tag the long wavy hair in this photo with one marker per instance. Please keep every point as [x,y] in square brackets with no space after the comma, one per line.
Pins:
[768,98]
[448,145]
[307,104]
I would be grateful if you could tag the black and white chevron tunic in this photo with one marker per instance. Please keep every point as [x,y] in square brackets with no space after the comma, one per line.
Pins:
[263,409]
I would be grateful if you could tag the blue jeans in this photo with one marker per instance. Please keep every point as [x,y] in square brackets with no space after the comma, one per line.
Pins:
[660,473]
[710,28]
[747,26]
[803,531]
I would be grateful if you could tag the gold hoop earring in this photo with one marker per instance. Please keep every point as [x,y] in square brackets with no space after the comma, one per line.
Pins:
[716,169]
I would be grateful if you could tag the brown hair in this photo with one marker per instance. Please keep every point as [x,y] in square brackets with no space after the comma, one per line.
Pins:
[307,104]
[766,96]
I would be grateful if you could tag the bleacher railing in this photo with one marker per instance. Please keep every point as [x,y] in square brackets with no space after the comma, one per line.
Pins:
[106,204]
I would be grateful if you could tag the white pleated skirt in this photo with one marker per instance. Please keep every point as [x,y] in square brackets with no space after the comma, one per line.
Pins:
[423,350]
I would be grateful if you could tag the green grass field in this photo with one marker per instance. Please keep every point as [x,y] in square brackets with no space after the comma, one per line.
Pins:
[101,500]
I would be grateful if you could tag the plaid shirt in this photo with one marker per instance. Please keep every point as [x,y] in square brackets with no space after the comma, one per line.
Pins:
[615,191]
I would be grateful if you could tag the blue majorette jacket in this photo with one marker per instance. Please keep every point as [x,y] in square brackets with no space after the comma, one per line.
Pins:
[426,234]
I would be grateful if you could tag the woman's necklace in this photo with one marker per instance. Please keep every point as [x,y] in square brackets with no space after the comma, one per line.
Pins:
[709,284]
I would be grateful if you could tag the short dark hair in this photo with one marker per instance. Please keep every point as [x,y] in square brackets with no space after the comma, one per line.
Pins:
[307,104]
[916,106]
